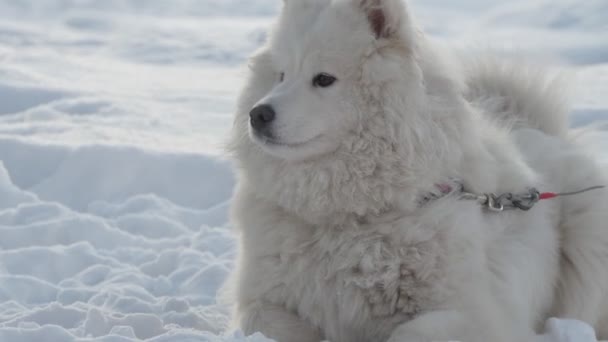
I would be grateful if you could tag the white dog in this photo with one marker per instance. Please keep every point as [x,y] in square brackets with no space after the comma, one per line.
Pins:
[363,159]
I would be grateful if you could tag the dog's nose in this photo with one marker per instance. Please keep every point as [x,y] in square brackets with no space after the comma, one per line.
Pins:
[261,116]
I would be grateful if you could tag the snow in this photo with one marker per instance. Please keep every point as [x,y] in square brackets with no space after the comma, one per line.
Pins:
[114,194]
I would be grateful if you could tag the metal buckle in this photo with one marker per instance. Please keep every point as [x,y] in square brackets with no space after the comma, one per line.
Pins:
[493,204]
[528,201]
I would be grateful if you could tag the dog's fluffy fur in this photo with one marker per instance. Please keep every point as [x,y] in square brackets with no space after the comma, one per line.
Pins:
[335,243]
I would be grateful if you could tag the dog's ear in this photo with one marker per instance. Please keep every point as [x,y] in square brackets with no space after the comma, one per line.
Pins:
[386,17]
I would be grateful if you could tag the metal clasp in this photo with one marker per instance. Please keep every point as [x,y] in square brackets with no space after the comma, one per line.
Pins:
[493,204]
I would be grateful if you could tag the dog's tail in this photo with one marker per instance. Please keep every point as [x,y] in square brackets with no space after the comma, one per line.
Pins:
[517,94]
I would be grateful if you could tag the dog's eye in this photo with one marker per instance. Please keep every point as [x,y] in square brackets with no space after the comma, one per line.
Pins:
[323,80]
[282,77]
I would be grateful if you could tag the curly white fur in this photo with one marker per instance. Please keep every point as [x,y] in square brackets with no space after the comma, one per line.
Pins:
[334,243]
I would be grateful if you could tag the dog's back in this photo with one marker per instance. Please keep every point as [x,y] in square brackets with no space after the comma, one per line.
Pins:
[525,96]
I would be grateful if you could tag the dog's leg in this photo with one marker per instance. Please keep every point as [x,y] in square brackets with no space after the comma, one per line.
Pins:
[455,326]
[277,323]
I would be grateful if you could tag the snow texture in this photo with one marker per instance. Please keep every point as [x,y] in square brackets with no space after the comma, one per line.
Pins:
[113,190]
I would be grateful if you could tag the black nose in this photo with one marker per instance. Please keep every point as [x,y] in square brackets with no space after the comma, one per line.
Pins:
[260,117]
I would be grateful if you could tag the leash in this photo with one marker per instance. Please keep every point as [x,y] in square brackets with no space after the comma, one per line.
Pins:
[522,201]
[506,201]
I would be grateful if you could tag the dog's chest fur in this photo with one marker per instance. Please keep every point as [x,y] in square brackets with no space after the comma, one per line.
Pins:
[369,279]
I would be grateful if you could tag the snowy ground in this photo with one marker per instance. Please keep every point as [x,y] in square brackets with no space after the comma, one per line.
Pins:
[113,192]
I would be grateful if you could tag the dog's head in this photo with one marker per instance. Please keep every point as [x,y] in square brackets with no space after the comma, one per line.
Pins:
[322,54]
[336,104]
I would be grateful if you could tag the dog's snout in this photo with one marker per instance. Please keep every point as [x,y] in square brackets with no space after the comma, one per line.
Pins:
[261,116]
